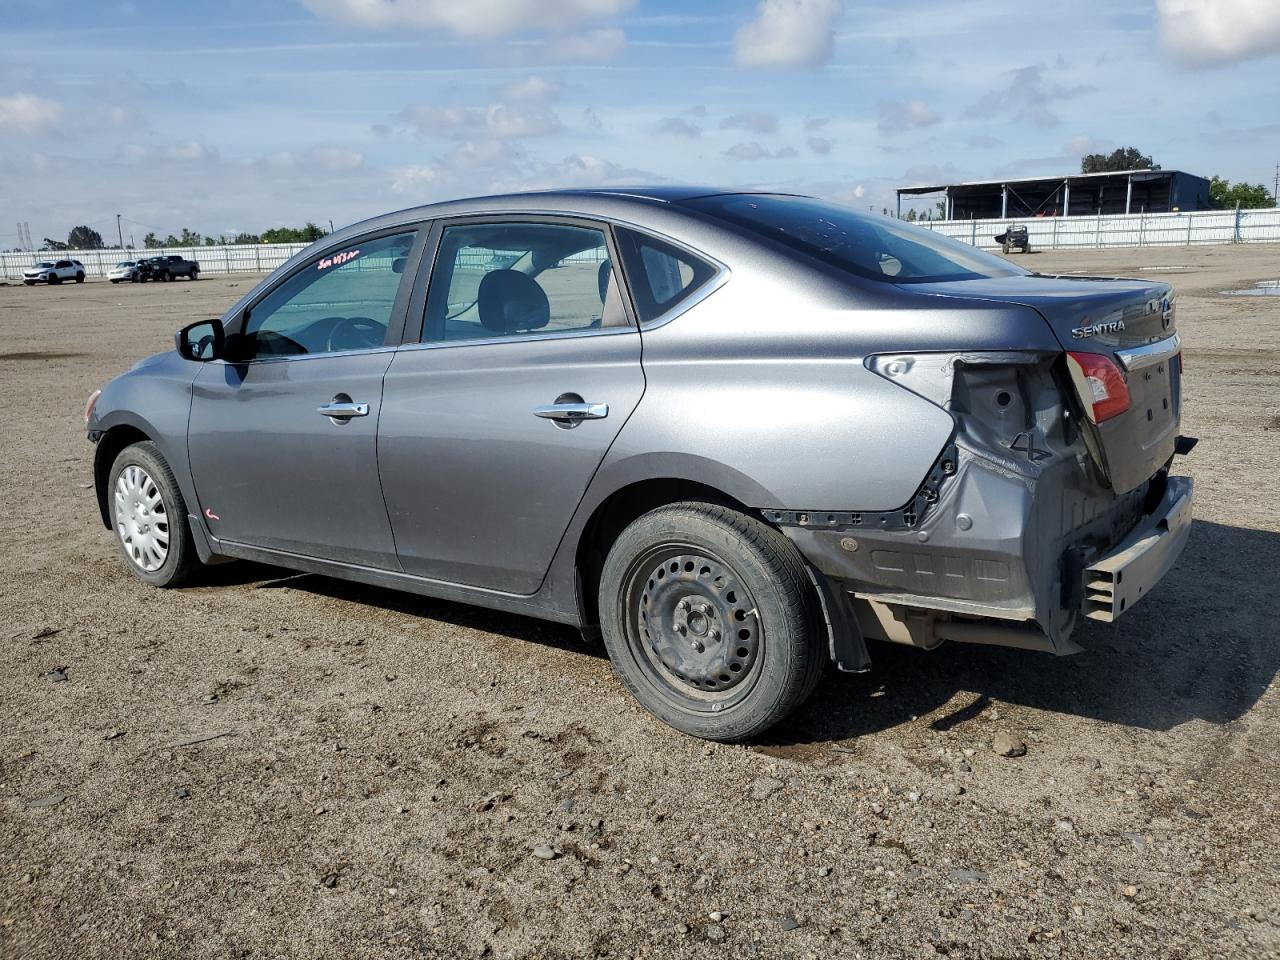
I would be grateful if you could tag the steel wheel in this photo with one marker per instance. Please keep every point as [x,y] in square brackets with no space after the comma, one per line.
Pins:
[142,521]
[694,625]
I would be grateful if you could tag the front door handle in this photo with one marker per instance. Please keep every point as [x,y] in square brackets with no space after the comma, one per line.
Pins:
[344,409]
[571,414]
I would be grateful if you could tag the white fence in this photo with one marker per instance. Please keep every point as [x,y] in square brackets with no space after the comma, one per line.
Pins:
[1046,233]
[242,258]
[1123,230]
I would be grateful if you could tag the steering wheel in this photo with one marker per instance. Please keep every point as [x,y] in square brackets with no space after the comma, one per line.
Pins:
[356,333]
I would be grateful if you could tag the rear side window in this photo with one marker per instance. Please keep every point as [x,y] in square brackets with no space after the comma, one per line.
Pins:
[877,248]
[521,279]
[662,275]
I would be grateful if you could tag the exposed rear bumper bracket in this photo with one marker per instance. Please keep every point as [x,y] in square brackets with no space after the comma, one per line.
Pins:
[1114,583]
[1184,445]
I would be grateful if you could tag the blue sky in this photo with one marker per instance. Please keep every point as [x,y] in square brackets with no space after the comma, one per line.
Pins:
[231,115]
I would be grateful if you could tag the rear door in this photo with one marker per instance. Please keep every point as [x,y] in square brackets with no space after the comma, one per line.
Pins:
[1129,321]
[494,423]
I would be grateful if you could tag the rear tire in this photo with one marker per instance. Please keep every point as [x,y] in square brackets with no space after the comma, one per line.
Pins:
[710,620]
[149,517]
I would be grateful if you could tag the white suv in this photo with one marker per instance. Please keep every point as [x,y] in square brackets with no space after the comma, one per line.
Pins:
[54,271]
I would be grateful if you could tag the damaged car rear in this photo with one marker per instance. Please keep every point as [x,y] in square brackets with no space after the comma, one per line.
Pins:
[738,436]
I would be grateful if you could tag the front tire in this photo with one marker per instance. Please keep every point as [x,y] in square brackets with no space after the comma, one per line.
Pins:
[149,517]
[710,620]
[54,278]
[194,275]
[79,278]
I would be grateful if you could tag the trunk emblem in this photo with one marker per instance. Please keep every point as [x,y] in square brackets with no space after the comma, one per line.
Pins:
[1093,329]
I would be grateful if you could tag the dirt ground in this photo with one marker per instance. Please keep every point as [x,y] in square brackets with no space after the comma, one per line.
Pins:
[374,770]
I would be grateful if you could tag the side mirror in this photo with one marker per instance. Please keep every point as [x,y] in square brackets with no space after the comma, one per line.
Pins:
[201,341]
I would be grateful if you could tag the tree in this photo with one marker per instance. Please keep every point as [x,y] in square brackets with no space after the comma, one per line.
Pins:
[189,238]
[304,234]
[1224,195]
[247,238]
[1124,158]
[53,245]
[150,241]
[84,238]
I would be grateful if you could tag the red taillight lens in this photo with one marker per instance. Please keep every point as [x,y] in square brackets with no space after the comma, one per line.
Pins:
[1101,385]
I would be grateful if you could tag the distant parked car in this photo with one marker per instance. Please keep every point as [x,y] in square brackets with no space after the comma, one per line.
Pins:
[168,268]
[54,271]
[125,270]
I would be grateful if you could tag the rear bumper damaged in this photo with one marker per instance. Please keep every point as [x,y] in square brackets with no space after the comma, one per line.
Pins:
[999,559]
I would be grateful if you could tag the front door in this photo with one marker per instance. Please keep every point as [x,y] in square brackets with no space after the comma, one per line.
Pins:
[283,436]
[493,426]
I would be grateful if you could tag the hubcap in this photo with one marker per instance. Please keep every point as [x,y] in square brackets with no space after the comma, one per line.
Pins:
[698,622]
[141,519]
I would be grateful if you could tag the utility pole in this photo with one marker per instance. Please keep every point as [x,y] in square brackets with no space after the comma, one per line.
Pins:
[331,219]
[1275,187]
[119,232]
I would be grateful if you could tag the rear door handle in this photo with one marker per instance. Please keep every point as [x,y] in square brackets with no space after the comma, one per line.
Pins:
[570,414]
[344,409]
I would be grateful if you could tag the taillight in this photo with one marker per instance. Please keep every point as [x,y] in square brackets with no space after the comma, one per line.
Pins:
[1101,385]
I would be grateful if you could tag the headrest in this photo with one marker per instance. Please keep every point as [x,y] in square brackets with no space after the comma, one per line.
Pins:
[510,302]
[397,265]
[603,277]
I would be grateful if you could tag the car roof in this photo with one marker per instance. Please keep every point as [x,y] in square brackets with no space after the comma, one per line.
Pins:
[588,202]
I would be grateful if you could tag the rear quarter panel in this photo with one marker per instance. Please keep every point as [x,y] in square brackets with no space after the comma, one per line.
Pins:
[762,385]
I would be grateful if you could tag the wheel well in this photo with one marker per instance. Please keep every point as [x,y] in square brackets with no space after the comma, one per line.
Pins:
[616,513]
[109,447]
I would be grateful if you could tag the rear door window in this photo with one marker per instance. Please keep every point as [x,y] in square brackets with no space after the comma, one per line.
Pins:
[661,274]
[522,279]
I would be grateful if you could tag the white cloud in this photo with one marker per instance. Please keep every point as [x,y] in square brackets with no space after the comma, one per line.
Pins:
[504,121]
[788,33]
[29,113]
[471,18]
[753,151]
[594,46]
[752,121]
[820,145]
[679,127]
[896,117]
[533,87]
[1030,95]
[496,167]
[1208,33]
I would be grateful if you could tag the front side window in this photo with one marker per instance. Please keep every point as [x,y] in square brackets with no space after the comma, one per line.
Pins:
[877,248]
[516,279]
[341,301]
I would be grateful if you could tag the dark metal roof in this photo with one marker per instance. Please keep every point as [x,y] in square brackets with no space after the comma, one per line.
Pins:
[1016,181]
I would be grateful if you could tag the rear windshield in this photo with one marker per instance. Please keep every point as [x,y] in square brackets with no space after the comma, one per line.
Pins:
[870,246]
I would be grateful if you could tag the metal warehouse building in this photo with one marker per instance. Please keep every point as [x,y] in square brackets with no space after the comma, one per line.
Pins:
[1077,194]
